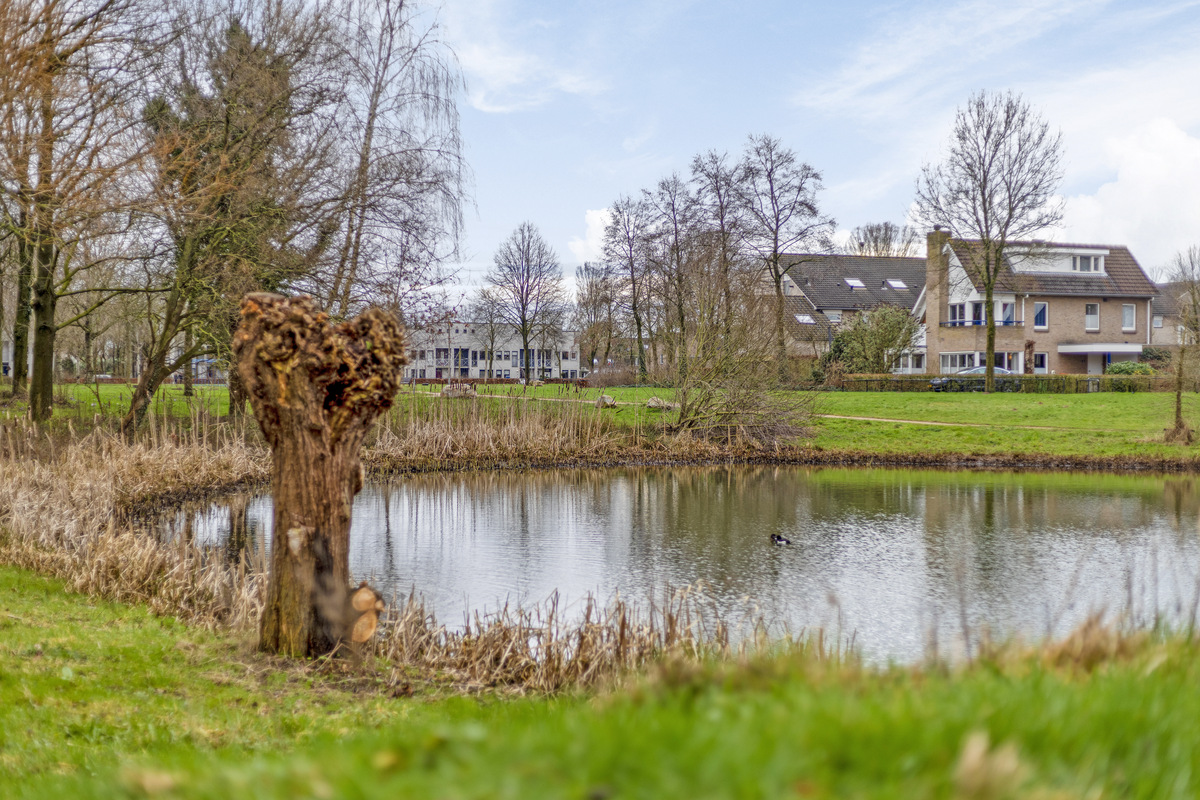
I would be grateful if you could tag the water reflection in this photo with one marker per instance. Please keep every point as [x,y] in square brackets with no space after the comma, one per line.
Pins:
[897,557]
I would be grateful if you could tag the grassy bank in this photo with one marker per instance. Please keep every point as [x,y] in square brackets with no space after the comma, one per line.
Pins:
[516,427]
[104,700]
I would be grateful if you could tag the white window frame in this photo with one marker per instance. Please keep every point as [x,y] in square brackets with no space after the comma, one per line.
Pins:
[958,314]
[805,319]
[1158,320]
[1087,317]
[1008,313]
[1128,315]
[956,362]
[1045,316]
[1044,369]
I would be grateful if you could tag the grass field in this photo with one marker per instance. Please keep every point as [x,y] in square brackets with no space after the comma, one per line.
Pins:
[103,700]
[1100,425]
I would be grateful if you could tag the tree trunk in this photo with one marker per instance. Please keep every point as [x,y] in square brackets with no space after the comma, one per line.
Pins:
[238,396]
[316,390]
[41,384]
[989,375]
[20,366]
[1179,390]
[780,330]
[188,390]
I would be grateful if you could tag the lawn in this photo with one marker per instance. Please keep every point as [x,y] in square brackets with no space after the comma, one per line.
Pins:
[1100,425]
[103,700]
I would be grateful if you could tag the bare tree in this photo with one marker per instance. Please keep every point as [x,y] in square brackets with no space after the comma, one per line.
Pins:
[1184,284]
[674,213]
[528,285]
[405,172]
[626,244]
[719,186]
[997,185]
[484,313]
[780,197]
[884,239]
[68,73]
[596,316]
[243,132]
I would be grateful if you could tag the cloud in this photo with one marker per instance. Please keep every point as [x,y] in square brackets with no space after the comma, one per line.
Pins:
[1153,203]
[914,58]
[591,246]
[510,66]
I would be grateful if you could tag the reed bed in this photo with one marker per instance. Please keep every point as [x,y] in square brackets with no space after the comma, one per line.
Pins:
[541,649]
[82,508]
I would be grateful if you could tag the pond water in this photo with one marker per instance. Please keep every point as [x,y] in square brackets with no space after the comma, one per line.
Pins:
[898,559]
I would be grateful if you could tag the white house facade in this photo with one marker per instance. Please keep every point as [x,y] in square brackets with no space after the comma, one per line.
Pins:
[464,350]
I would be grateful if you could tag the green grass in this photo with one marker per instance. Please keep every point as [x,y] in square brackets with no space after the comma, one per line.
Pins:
[1100,425]
[103,700]
[1095,425]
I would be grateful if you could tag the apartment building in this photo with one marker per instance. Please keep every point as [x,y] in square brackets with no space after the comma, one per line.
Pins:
[465,350]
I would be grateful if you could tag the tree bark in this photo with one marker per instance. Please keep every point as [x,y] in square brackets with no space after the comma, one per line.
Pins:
[20,366]
[188,390]
[45,299]
[316,390]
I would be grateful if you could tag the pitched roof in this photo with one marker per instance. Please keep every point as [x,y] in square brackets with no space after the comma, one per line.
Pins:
[797,310]
[1166,302]
[823,279]
[1123,277]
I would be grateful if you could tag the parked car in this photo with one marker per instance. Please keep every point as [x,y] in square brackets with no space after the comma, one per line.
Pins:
[973,380]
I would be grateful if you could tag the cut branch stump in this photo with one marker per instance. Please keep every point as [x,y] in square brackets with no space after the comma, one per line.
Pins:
[316,389]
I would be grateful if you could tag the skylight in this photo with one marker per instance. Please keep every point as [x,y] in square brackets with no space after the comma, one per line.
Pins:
[897,284]
[855,283]
[805,319]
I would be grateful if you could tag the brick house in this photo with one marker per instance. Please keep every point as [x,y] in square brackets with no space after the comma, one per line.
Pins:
[1066,308]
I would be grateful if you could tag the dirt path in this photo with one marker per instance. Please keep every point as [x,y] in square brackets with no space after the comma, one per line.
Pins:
[950,424]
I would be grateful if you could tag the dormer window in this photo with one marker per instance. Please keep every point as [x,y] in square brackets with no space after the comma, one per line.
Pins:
[896,284]
[855,283]
[1087,263]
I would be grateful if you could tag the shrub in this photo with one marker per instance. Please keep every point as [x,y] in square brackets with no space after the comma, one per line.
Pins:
[1130,368]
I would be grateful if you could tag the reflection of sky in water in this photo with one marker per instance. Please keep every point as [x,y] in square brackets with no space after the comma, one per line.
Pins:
[890,556]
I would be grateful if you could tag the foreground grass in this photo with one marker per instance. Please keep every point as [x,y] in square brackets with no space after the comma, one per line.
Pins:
[103,700]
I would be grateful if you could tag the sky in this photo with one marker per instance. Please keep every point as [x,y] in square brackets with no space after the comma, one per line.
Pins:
[570,104]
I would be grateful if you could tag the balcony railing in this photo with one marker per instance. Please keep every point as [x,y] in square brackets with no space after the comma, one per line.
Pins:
[976,323]
[441,362]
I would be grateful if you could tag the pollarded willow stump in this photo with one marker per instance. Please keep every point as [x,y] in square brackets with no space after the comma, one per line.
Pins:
[316,389]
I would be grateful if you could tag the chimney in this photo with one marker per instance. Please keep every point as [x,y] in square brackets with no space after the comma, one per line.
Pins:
[937,280]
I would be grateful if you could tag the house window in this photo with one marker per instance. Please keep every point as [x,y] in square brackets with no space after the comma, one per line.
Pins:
[1158,320]
[834,316]
[977,317]
[895,284]
[507,374]
[1007,313]
[855,283]
[1039,364]
[422,373]
[1091,316]
[1087,263]
[953,362]
[918,361]
[1128,317]
[1040,317]
[805,319]
[957,313]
